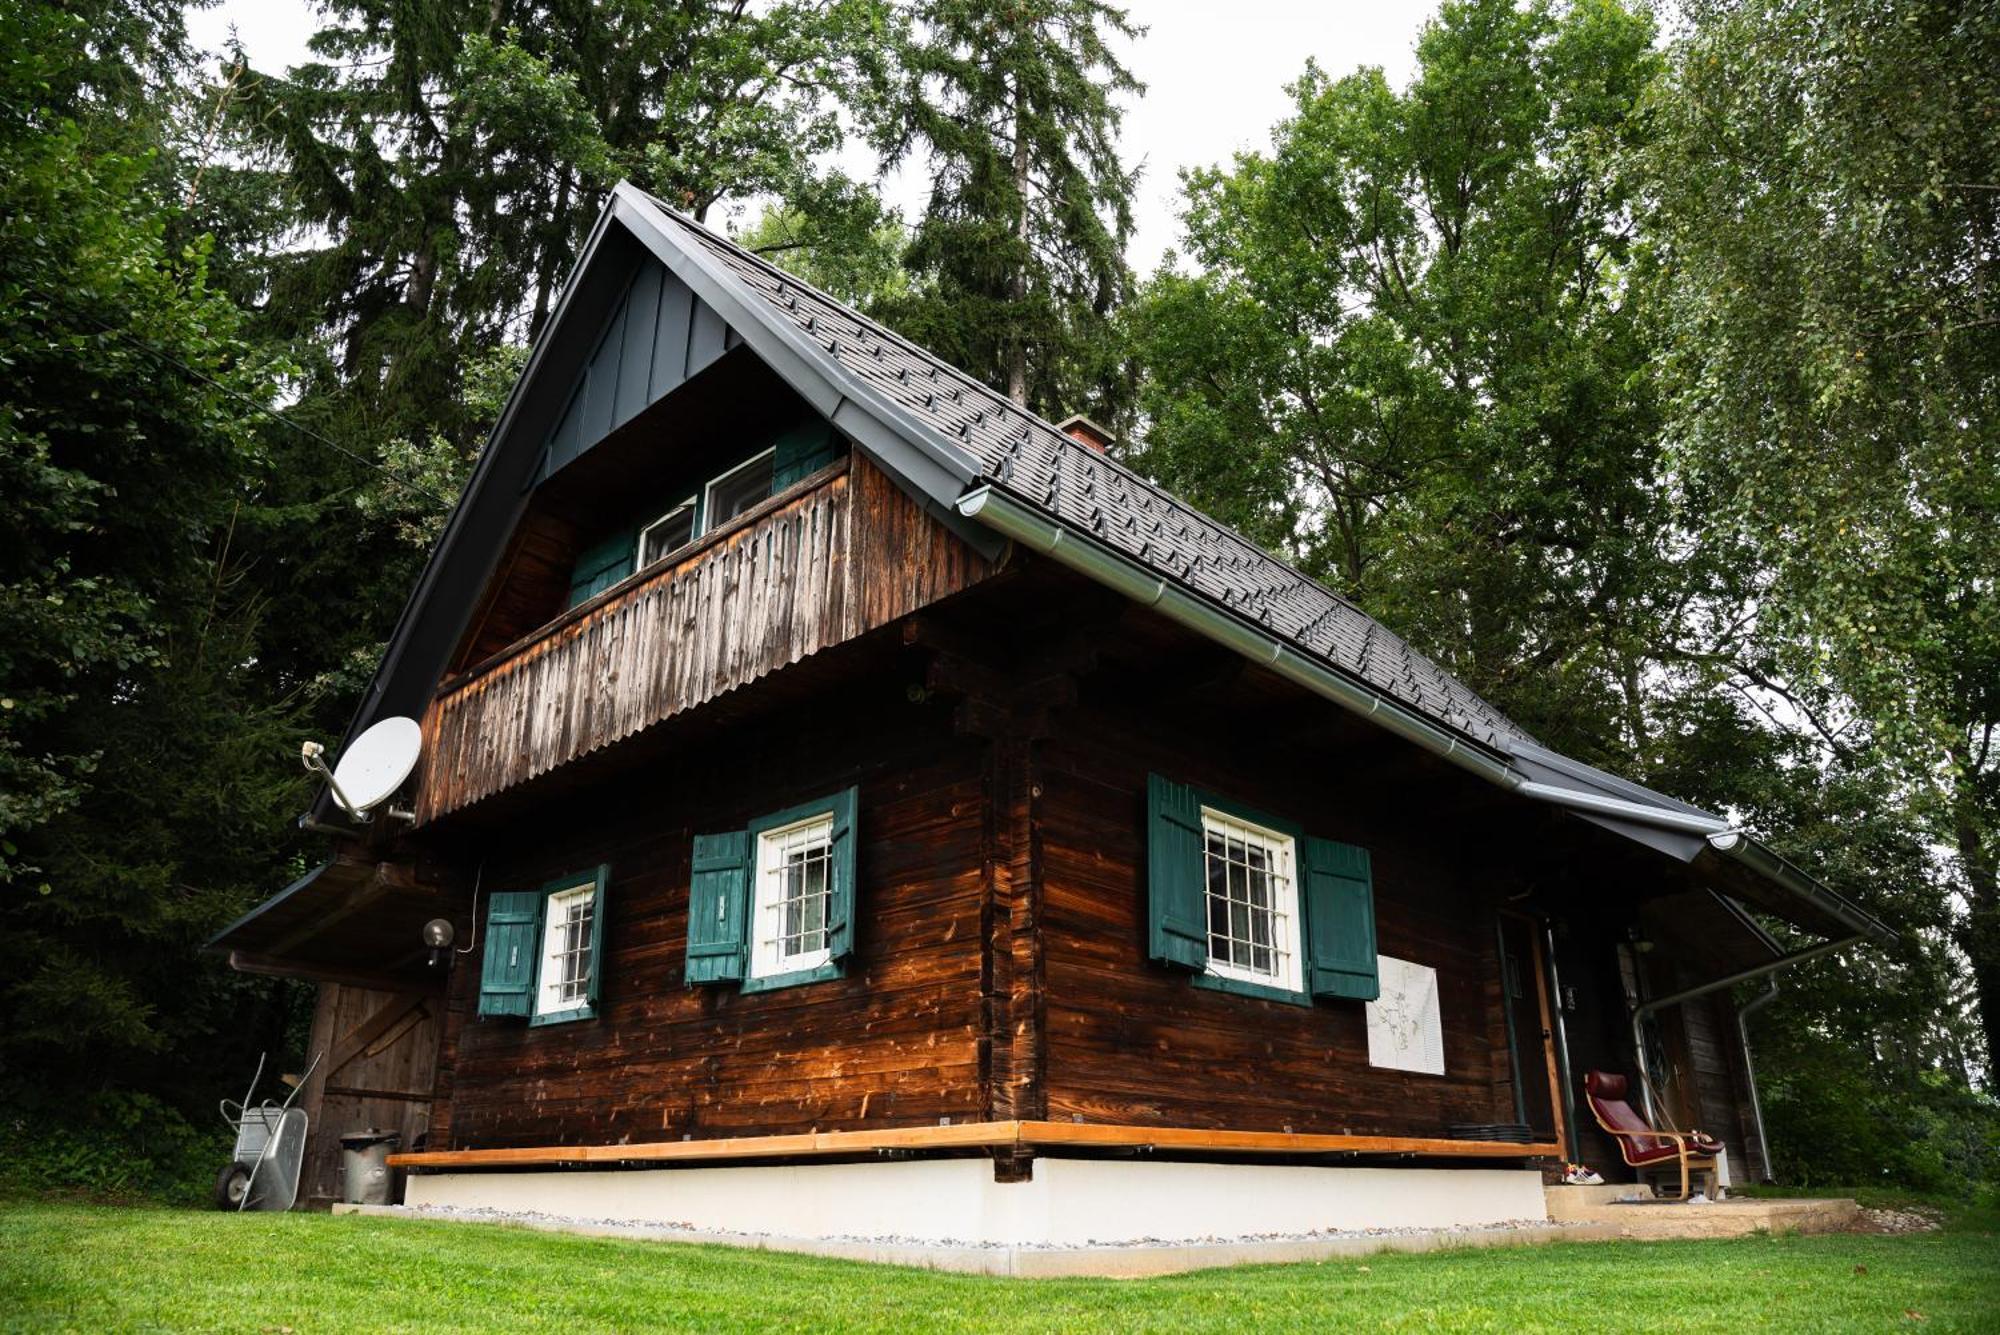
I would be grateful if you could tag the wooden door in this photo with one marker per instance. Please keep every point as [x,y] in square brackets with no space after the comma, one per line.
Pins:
[378,1073]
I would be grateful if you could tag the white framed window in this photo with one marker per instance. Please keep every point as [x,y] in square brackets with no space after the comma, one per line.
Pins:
[568,950]
[794,898]
[1252,893]
[746,485]
[1405,1023]
[670,532]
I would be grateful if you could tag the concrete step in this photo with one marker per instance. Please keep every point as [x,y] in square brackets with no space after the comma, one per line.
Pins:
[1730,1218]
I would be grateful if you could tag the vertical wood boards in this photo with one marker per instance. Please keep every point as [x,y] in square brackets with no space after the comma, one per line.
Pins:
[846,557]
[378,1074]
[657,337]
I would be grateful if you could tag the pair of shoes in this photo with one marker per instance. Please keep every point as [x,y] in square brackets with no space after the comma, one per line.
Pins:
[1576,1175]
[1699,1198]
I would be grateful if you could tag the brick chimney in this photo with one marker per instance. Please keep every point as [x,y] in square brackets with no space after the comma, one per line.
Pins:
[1081,428]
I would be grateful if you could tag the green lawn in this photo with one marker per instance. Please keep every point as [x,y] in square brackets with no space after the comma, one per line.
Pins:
[98,1267]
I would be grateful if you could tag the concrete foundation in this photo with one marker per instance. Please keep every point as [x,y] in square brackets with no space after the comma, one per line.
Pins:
[1068,1202]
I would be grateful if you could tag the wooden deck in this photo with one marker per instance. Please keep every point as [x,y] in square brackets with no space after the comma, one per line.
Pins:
[1001,1136]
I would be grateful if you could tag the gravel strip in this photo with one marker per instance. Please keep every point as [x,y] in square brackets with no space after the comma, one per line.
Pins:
[488,1215]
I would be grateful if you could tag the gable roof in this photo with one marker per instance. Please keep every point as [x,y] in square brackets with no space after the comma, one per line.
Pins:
[984,465]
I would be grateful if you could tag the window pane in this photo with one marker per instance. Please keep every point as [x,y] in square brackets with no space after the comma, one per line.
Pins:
[668,534]
[733,493]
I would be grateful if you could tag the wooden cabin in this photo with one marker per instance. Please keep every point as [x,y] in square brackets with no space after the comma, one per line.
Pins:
[861,805]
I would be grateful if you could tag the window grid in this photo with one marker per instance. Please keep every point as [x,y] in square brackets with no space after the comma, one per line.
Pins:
[1252,902]
[794,897]
[566,949]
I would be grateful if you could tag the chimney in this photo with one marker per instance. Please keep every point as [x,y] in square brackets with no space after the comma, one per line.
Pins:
[1082,429]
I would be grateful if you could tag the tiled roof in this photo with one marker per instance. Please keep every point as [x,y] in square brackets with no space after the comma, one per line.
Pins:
[1029,458]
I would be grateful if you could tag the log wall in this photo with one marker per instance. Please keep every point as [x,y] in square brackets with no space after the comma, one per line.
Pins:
[806,571]
[1136,1042]
[897,1042]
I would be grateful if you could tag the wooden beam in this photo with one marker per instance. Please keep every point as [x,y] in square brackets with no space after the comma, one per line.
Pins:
[244,962]
[385,1018]
[1004,1136]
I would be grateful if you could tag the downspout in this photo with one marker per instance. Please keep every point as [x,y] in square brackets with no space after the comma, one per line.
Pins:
[1743,1014]
[1645,1010]
[1571,1142]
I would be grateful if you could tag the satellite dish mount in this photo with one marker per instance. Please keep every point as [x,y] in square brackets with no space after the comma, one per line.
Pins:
[371,769]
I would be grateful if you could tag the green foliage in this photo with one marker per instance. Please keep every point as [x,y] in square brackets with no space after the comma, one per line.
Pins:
[1828,207]
[104,1268]
[144,783]
[1018,262]
[1408,359]
[107,1145]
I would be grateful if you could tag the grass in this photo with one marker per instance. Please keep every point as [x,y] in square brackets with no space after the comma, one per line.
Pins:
[66,1266]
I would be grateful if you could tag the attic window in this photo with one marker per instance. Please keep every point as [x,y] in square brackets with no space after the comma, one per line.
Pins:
[746,485]
[670,532]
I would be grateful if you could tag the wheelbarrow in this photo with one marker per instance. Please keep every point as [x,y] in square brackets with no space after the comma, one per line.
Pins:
[263,1174]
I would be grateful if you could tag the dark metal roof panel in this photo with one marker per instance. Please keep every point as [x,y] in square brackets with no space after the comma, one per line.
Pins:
[1097,495]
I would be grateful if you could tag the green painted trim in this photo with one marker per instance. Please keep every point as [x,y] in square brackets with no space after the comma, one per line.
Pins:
[563,1017]
[597,878]
[1243,811]
[820,806]
[797,978]
[1216,982]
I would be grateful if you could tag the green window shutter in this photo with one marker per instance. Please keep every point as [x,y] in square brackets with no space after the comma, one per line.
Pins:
[840,913]
[1340,921]
[718,907]
[802,451]
[597,933]
[599,567]
[1175,875]
[507,971]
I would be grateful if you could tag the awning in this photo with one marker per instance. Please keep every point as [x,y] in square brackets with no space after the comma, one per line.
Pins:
[1717,855]
[345,921]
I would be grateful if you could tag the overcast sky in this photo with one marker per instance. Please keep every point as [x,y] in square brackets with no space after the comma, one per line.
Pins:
[1215,76]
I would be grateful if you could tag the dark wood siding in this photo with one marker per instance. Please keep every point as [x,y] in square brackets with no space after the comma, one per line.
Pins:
[894,1043]
[794,577]
[1132,1041]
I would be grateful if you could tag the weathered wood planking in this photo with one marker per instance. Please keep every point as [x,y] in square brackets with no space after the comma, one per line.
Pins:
[377,1073]
[783,582]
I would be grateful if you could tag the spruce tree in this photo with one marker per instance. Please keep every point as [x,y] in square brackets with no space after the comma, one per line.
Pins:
[1019,259]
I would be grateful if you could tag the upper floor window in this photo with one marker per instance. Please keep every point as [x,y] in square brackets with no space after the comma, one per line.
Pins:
[670,532]
[740,488]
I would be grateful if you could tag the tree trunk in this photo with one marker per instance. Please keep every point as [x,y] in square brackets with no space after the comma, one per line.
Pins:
[1979,935]
[1017,340]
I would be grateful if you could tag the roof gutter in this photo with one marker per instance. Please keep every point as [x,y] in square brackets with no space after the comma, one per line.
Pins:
[1739,847]
[1034,529]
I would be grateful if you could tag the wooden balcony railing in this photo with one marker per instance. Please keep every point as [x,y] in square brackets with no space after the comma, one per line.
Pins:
[843,553]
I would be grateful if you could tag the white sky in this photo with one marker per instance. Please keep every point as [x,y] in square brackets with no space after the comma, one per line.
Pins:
[1215,76]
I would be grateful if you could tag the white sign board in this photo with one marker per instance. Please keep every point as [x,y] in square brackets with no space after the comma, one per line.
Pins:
[1405,1029]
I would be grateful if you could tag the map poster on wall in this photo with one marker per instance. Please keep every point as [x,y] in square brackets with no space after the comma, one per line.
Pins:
[1405,1030]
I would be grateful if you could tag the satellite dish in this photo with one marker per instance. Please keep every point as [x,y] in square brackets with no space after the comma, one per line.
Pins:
[373,766]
